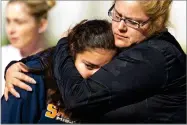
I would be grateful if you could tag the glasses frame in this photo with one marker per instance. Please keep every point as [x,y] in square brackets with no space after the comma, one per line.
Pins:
[139,24]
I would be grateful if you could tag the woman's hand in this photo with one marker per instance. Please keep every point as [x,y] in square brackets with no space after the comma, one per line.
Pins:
[14,77]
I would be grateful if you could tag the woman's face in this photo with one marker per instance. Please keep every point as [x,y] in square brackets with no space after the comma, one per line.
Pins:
[88,62]
[22,28]
[124,35]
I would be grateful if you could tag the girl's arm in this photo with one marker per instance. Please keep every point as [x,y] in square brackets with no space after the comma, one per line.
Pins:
[132,76]
[14,73]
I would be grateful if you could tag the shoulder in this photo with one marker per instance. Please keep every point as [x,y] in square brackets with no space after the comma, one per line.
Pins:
[61,45]
[27,108]
[156,48]
[35,97]
[169,47]
[142,53]
[62,41]
[165,43]
[39,61]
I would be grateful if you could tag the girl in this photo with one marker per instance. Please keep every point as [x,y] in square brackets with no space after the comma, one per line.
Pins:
[91,46]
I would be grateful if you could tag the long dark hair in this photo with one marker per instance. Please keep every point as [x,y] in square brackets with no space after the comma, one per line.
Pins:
[91,34]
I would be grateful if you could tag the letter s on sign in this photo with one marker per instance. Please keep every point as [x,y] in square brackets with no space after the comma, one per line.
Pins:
[51,111]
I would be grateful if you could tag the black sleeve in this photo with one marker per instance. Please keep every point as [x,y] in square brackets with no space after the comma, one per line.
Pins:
[132,76]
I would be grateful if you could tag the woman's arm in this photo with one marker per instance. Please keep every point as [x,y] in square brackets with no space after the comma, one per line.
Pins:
[15,76]
[132,76]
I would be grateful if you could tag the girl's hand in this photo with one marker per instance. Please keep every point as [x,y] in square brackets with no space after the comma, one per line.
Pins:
[14,77]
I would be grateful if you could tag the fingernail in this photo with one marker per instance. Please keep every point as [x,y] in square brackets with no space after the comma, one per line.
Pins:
[33,81]
[29,89]
[18,95]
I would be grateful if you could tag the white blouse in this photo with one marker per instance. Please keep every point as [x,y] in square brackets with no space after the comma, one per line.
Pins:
[9,53]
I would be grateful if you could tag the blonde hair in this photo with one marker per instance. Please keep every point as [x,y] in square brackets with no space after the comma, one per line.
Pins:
[158,11]
[37,8]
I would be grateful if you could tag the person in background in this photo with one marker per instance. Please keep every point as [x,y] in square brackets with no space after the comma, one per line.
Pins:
[26,22]
[144,83]
[92,46]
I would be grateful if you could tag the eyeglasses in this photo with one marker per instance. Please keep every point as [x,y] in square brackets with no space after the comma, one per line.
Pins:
[129,22]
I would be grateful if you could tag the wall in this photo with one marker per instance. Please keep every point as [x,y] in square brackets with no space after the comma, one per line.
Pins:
[67,13]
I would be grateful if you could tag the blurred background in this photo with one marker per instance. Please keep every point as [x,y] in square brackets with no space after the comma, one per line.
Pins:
[66,14]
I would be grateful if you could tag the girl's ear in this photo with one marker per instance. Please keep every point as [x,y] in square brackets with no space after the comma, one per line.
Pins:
[43,25]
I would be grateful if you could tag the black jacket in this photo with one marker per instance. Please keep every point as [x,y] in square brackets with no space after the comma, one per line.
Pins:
[145,83]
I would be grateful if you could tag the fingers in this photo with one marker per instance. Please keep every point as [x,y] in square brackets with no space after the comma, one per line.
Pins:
[23,77]
[6,93]
[16,67]
[12,90]
[21,84]
[23,67]
[15,77]
[14,72]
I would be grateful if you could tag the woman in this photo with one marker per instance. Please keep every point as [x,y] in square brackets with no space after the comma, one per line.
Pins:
[26,22]
[144,83]
[89,42]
